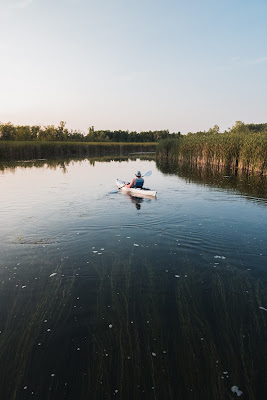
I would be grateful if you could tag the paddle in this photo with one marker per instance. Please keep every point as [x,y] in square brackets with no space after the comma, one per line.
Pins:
[148,173]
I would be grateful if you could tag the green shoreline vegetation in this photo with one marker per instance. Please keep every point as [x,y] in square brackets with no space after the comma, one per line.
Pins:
[19,150]
[243,147]
[33,142]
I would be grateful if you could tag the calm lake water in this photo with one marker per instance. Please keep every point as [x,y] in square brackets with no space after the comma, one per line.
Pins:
[105,296]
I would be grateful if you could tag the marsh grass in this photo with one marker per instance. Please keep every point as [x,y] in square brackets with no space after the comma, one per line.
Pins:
[31,320]
[19,150]
[246,151]
[154,313]
[144,334]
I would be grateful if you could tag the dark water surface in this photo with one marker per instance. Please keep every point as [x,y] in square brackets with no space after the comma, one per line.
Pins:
[107,296]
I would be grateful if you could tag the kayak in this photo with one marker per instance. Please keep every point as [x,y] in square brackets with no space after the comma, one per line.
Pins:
[135,191]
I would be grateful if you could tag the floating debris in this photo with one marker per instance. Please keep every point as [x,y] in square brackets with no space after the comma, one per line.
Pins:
[154,354]
[262,308]
[23,287]
[236,390]
[222,257]
[177,276]
[135,244]
[110,326]
[54,273]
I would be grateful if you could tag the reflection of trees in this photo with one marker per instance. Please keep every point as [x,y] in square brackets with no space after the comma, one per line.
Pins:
[247,184]
[63,163]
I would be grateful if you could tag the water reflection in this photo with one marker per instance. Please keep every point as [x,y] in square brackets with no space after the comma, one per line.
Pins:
[97,304]
[251,186]
[137,201]
[54,163]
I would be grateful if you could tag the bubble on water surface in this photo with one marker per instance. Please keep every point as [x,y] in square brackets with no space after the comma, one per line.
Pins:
[236,390]
[153,354]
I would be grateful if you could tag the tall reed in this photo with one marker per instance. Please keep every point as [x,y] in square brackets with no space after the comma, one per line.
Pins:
[247,151]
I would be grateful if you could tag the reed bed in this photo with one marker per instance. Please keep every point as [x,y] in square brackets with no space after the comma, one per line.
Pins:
[19,150]
[246,151]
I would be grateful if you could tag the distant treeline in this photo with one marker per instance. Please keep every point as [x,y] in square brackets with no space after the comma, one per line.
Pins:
[60,133]
[244,146]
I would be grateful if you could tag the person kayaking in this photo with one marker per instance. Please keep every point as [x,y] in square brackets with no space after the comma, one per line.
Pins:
[136,182]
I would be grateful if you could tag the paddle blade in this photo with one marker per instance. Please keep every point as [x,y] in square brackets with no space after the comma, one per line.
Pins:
[148,173]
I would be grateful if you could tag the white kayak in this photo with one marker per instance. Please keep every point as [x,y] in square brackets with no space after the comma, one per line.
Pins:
[135,191]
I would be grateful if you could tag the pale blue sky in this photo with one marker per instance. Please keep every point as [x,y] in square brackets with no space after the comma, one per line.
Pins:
[137,65]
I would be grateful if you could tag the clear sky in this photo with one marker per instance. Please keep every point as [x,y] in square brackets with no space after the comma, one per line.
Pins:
[182,65]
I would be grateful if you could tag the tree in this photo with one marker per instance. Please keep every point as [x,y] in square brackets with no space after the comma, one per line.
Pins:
[215,129]
[7,131]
